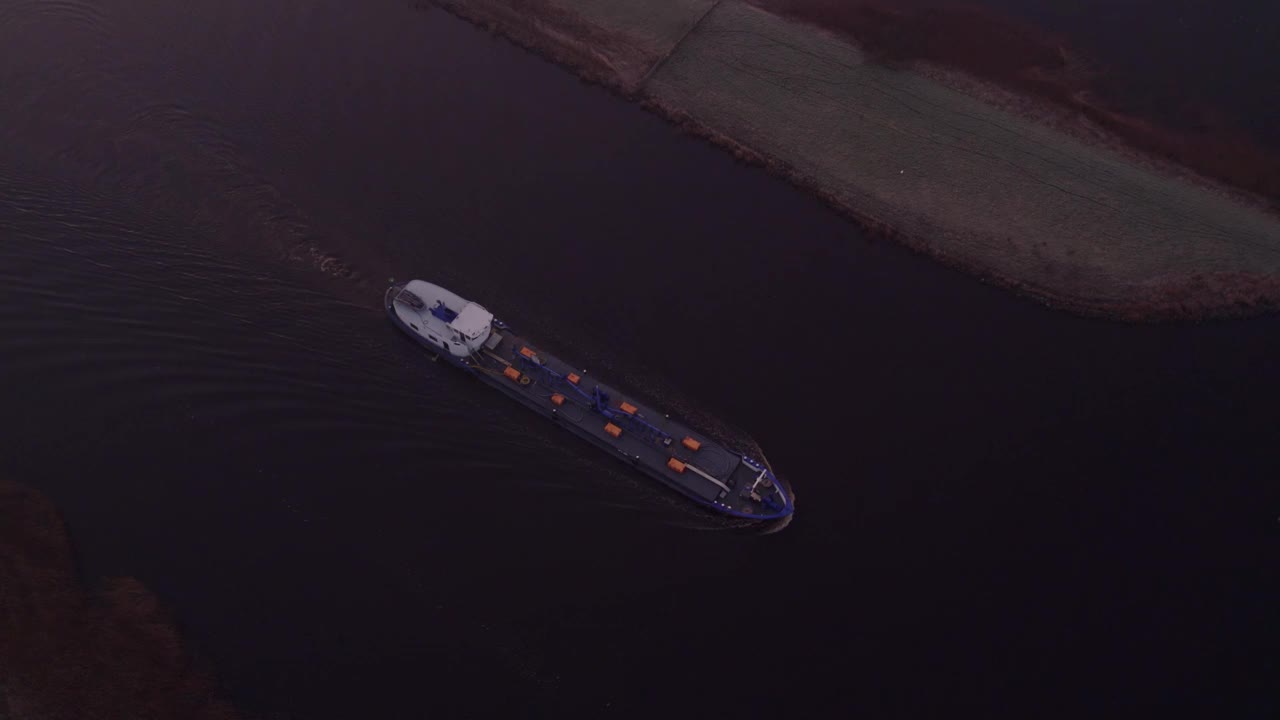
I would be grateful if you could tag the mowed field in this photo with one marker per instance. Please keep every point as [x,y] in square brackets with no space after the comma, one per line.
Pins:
[1016,202]
[962,180]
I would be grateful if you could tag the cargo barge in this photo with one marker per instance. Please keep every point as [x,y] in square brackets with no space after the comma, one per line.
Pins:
[680,457]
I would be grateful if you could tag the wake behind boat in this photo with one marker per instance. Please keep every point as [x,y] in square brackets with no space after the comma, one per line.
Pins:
[682,458]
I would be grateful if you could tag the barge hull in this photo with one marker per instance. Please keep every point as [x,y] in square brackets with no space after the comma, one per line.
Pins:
[710,474]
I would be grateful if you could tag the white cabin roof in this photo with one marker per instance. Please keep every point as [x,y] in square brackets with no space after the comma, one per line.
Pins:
[473,321]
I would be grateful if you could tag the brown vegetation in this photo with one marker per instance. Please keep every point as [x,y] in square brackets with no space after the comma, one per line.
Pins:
[1221,294]
[598,55]
[65,654]
[1027,61]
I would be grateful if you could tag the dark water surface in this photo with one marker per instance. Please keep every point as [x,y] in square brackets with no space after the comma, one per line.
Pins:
[1196,60]
[1001,508]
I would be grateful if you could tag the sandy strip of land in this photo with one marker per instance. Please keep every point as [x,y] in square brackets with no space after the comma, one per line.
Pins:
[1016,202]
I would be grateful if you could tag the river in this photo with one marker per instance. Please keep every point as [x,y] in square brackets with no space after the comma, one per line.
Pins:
[1000,508]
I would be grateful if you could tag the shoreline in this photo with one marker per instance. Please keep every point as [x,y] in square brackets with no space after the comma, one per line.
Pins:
[69,652]
[1180,301]
[1213,266]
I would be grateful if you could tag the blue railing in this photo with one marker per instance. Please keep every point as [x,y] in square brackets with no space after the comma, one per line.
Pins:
[597,400]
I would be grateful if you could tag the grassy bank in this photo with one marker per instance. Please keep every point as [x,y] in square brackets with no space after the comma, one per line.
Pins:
[1023,60]
[1018,202]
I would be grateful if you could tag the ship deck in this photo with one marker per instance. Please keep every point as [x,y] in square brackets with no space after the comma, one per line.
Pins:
[726,475]
[649,439]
